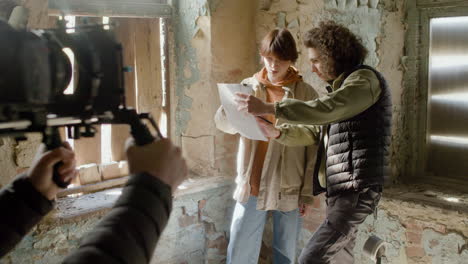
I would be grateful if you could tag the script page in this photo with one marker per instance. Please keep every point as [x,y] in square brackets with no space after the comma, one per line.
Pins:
[244,123]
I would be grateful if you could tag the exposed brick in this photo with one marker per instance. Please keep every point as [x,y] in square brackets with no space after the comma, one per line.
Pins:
[220,243]
[201,204]
[187,220]
[210,228]
[415,252]
[433,243]
[414,238]
[437,227]
[413,225]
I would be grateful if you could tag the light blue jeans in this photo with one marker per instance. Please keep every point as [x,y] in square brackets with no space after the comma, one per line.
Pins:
[247,231]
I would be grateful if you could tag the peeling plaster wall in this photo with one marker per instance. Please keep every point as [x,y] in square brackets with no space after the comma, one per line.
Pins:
[378,23]
[16,156]
[414,233]
[213,43]
[7,161]
[413,236]
[197,231]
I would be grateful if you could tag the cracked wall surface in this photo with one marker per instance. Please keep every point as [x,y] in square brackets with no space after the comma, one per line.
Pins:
[213,44]
[197,231]
[414,233]
[216,41]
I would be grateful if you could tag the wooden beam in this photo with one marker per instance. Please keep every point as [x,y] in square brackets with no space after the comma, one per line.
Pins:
[94,187]
[112,8]
[148,67]
[125,34]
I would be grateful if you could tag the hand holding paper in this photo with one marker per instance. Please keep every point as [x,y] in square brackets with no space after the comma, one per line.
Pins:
[244,123]
[253,105]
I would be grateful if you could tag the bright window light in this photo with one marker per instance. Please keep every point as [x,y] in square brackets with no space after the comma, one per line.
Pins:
[114,192]
[163,124]
[105,22]
[449,61]
[452,199]
[449,140]
[71,56]
[70,25]
[106,141]
[70,88]
[451,97]
[462,20]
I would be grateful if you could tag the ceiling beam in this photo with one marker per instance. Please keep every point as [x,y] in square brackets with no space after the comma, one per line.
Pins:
[111,8]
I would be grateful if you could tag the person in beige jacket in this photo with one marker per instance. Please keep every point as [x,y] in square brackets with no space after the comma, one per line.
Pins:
[273,175]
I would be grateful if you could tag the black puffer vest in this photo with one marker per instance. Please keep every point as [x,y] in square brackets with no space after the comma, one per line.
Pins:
[358,149]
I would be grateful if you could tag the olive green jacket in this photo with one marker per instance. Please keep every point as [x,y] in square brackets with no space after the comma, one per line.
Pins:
[349,97]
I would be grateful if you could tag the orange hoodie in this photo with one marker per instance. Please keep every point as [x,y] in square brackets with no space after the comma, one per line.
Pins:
[274,93]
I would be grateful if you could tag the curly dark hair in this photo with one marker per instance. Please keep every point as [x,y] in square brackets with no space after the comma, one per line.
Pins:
[340,50]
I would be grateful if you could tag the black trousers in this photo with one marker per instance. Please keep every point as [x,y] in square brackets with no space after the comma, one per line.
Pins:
[334,240]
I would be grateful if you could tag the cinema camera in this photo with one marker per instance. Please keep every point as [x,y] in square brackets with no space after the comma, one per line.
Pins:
[35,71]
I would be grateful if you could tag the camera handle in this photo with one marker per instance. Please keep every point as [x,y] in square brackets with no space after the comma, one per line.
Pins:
[139,131]
[51,138]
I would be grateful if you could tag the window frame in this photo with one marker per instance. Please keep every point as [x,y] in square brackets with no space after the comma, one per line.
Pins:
[144,10]
[419,14]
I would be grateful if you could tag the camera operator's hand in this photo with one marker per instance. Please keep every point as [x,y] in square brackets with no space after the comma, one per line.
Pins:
[160,159]
[40,173]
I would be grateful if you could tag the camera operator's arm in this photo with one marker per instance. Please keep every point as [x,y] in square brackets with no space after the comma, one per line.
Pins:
[27,199]
[128,234]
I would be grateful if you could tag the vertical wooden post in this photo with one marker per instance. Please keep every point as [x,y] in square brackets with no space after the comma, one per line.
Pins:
[125,34]
[148,68]
[88,150]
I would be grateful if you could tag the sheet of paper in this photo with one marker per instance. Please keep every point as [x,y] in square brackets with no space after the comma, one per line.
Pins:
[242,122]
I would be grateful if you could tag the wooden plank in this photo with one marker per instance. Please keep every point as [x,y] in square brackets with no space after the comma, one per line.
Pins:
[125,34]
[88,150]
[441,3]
[166,76]
[148,67]
[94,187]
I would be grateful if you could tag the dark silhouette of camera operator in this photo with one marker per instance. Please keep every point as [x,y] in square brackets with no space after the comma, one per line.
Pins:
[129,232]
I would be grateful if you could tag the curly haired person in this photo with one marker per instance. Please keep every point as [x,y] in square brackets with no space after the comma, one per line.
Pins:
[352,160]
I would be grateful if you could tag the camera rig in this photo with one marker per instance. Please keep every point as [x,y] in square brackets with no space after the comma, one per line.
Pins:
[35,71]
